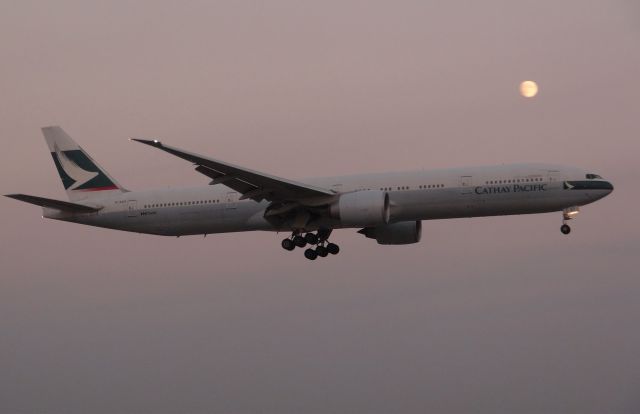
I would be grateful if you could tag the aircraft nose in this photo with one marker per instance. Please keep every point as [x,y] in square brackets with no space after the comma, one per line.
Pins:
[608,186]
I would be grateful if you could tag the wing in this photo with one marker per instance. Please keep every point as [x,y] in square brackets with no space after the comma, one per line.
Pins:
[251,184]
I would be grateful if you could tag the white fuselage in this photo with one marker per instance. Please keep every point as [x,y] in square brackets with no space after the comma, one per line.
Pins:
[413,195]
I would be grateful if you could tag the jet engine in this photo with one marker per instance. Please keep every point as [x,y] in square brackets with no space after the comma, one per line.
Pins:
[403,232]
[361,208]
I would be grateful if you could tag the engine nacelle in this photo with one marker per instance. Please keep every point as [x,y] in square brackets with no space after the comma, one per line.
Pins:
[404,232]
[362,208]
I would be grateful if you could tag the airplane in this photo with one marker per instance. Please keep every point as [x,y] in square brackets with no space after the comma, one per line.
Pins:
[388,207]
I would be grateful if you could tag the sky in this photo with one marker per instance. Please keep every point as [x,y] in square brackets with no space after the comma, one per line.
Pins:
[485,315]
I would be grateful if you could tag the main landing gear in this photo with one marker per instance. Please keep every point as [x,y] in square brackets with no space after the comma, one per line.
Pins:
[320,240]
[568,214]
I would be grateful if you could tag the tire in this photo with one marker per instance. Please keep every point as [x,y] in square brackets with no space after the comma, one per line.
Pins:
[333,248]
[287,244]
[565,229]
[299,241]
[310,254]
[311,238]
[322,251]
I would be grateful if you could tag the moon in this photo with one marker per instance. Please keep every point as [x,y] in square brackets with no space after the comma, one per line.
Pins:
[528,89]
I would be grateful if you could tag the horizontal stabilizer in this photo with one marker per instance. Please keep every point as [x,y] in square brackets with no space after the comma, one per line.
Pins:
[57,204]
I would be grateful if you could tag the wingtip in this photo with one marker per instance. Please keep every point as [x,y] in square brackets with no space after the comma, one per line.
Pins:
[152,142]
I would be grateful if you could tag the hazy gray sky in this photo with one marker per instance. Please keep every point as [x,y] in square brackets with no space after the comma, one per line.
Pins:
[495,315]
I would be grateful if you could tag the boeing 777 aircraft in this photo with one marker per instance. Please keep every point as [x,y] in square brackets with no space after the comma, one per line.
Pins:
[387,207]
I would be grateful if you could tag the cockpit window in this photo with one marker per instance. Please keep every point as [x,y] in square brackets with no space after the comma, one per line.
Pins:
[593,177]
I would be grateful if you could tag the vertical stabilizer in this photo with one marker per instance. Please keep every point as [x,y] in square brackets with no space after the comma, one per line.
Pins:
[81,176]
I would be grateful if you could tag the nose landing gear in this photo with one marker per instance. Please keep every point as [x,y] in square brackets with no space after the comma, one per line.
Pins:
[568,214]
[320,240]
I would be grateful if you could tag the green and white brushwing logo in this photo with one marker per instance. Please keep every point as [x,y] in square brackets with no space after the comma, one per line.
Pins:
[78,172]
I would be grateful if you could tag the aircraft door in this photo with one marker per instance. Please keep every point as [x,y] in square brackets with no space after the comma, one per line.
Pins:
[466,184]
[132,207]
[230,202]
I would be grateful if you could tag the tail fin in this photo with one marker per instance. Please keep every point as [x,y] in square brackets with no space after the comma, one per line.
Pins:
[81,176]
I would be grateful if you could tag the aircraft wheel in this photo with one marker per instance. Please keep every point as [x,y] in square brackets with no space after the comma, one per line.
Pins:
[310,254]
[311,238]
[333,248]
[288,244]
[322,251]
[299,241]
[565,229]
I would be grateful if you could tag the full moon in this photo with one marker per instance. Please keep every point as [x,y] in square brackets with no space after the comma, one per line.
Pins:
[528,89]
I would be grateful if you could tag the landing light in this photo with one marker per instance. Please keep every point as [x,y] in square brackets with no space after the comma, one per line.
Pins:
[155,141]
